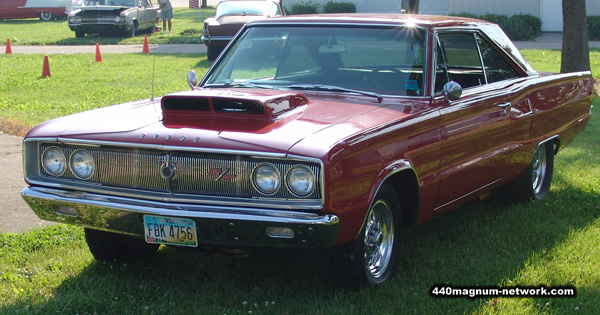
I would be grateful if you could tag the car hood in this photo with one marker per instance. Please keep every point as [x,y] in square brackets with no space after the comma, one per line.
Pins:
[103,8]
[251,120]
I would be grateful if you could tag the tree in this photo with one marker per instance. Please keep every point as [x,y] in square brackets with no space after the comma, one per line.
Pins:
[575,54]
[411,6]
[204,4]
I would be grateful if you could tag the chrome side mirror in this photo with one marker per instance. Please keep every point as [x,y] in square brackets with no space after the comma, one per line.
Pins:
[192,79]
[452,91]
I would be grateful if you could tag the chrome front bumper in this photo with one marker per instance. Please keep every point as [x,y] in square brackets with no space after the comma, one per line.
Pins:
[216,225]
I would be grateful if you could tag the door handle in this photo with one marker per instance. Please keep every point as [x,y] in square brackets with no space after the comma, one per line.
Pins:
[502,104]
[505,106]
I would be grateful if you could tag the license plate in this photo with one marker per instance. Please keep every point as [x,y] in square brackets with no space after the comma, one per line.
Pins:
[170,231]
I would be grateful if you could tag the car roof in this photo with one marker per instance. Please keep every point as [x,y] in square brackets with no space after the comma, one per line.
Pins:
[426,21]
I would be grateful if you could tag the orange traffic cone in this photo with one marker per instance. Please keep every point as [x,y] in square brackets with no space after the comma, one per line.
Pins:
[98,55]
[145,50]
[8,49]
[46,69]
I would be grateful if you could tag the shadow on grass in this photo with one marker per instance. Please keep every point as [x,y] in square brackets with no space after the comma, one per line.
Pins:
[480,244]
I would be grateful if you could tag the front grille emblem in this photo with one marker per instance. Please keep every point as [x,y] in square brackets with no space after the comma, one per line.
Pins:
[222,174]
[167,168]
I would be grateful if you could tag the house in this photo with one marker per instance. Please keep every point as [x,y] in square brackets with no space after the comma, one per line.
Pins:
[549,11]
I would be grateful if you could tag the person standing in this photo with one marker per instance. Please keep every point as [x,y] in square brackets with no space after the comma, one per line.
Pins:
[166,14]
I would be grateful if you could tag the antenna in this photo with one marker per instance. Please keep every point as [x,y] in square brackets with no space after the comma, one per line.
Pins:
[153,61]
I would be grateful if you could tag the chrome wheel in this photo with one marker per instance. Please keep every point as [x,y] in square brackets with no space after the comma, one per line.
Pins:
[535,183]
[538,169]
[46,16]
[378,239]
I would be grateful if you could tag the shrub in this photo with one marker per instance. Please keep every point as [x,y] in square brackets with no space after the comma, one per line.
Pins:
[516,27]
[465,14]
[523,27]
[593,27]
[499,19]
[304,8]
[339,7]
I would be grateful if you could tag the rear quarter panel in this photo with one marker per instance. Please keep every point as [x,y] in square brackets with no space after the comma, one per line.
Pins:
[547,106]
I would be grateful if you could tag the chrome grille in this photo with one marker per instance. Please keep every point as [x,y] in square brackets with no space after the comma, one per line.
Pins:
[196,173]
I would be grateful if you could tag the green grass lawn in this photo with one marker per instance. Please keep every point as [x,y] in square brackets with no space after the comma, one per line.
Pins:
[555,242]
[187,29]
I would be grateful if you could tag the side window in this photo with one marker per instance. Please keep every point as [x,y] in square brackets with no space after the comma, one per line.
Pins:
[461,60]
[496,67]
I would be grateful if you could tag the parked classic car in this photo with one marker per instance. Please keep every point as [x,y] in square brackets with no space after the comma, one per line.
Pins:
[45,10]
[230,16]
[107,17]
[313,132]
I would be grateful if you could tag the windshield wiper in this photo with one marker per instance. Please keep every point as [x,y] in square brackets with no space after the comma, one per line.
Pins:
[333,88]
[238,84]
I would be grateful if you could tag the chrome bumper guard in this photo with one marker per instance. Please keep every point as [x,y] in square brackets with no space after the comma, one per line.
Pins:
[216,225]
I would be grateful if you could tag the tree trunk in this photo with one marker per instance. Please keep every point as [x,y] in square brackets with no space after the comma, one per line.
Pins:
[575,49]
[413,6]
[204,4]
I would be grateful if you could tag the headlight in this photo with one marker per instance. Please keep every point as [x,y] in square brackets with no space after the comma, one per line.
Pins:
[119,19]
[54,161]
[266,178]
[82,164]
[300,180]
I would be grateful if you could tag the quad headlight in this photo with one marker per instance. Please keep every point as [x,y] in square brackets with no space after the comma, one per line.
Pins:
[266,178]
[300,180]
[82,164]
[54,161]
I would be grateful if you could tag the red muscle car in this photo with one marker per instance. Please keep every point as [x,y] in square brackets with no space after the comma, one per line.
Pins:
[45,10]
[315,131]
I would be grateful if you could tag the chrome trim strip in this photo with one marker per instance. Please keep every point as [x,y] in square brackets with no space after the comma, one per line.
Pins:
[68,141]
[407,167]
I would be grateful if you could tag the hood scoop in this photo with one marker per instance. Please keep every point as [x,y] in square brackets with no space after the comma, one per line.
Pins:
[252,106]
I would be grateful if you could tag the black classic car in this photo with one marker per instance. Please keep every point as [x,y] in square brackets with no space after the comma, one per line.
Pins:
[107,17]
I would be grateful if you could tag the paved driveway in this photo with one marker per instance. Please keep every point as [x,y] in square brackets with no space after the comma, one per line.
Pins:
[15,215]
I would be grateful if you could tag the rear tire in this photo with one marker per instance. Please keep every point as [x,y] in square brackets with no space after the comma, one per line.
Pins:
[535,183]
[110,246]
[46,16]
[371,258]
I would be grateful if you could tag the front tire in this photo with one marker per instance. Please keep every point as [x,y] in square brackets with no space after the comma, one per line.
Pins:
[79,34]
[110,246]
[46,16]
[371,258]
[132,30]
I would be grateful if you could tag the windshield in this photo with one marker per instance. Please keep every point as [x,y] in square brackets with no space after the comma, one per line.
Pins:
[263,8]
[388,61]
